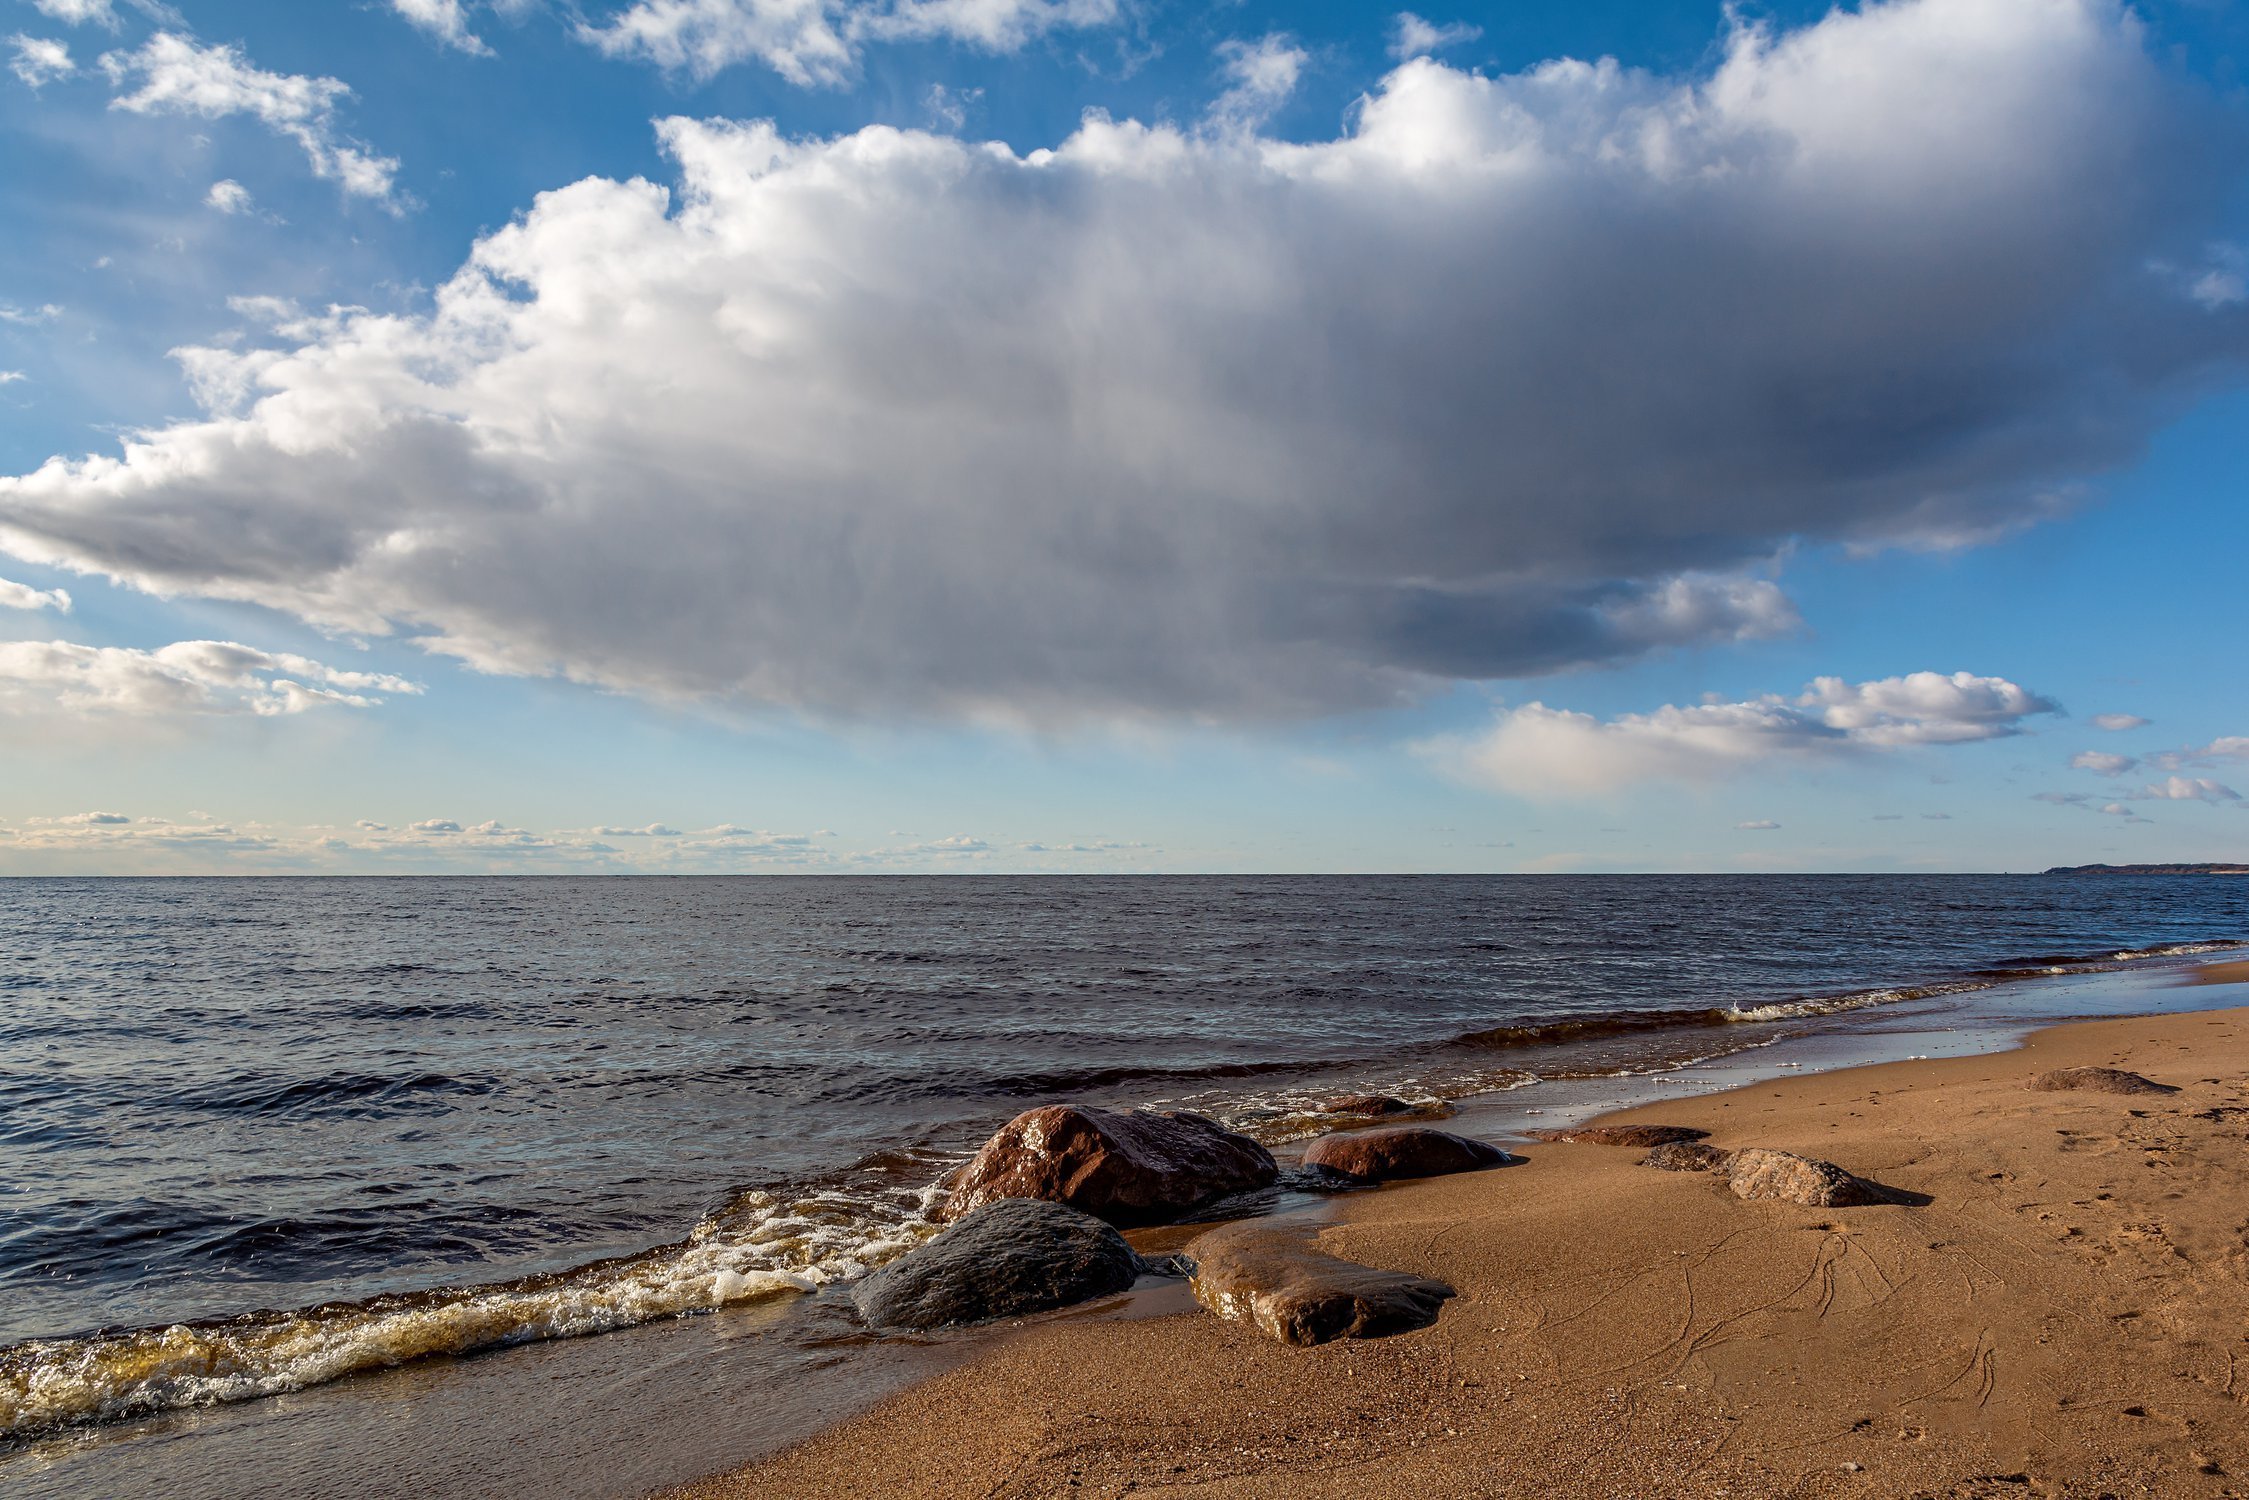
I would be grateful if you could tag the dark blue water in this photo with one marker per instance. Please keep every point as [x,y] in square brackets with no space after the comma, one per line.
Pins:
[218,1096]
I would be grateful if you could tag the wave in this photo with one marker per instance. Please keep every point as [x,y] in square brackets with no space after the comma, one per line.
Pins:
[346,1095]
[1604,1024]
[1832,1005]
[761,1245]
[1800,1007]
[774,1243]
[2178,950]
[2062,963]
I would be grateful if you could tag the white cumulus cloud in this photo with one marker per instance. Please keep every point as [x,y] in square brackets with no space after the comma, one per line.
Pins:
[79,12]
[24,596]
[2224,750]
[40,60]
[173,74]
[1260,76]
[2103,762]
[1520,373]
[2117,722]
[1411,36]
[187,677]
[818,42]
[2186,789]
[1536,751]
[446,20]
[229,197]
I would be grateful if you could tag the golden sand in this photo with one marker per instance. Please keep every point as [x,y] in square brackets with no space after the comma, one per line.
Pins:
[2066,1316]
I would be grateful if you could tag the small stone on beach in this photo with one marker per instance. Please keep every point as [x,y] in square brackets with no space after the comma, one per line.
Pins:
[1642,1136]
[2098,1081]
[1759,1173]
[1687,1156]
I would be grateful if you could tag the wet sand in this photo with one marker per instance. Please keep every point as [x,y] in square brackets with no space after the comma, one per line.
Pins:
[2064,1317]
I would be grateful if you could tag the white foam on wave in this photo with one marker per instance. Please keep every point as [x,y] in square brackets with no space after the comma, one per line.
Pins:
[1278,1116]
[1835,1005]
[2174,950]
[762,1245]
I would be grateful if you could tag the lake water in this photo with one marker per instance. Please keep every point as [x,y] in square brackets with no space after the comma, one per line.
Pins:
[258,1135]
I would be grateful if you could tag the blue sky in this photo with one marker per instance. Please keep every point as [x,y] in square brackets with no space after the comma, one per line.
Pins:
[1186,438]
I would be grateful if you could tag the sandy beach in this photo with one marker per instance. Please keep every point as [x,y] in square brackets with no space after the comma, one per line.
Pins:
[2064,1316]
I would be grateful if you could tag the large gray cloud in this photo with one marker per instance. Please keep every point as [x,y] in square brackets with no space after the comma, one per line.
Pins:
[1518,374]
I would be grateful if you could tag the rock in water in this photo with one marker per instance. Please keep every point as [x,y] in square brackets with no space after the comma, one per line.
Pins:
[1137,1168]
[1402,1151]
[1642,1136]
[1756,1172]
[2099,1081]
[1372,1106]
[1272,1277]
[1688,1156]
[1006,1260]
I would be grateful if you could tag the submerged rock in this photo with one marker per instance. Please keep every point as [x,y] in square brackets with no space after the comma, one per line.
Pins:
[1758,1173]
[1642,1136]
[1137,1168]
[1687,1156]
[1272,1278]
[1402,1151]
[1373,1107]
[1254,1203]
[1006,1260]
[2098,1081]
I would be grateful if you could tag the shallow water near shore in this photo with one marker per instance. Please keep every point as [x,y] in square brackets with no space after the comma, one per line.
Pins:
[1487,993]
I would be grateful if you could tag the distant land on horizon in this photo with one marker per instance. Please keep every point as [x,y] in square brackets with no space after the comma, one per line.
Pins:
[2203,869]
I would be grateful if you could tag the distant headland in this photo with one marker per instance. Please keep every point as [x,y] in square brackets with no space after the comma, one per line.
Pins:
[2221,869]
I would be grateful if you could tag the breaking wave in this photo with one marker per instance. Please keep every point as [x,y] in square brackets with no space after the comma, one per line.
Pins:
[762,1245]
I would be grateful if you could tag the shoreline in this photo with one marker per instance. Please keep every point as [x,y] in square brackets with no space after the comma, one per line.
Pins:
[656,1405]
[1707,1344]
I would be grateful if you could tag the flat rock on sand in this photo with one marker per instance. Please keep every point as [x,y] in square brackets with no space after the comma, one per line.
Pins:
[1642,1136]
[1687,1156]
[1402,1151]
[1759,1173]
[1006,1260]
[2098,1081]
[1136,1168]
[1271,1277]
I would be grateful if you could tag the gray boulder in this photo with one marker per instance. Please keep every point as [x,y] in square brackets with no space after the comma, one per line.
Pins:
[1010,1258]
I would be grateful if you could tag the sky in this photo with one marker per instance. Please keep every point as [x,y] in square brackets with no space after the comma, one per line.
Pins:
[710,436]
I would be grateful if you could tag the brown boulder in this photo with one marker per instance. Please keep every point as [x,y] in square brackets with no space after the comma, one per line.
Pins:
[1273,1279]
[1784,1176]
[2098,1081]
[1642,1136]
[1137,1168]
[1687,1156]
[1401,1151]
